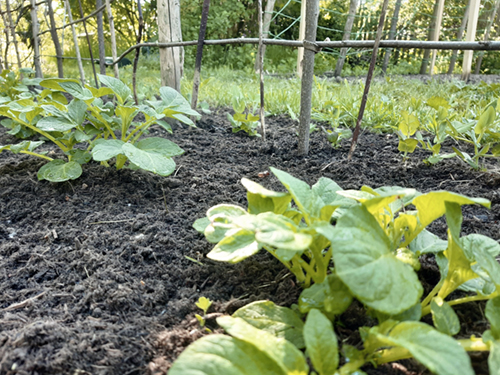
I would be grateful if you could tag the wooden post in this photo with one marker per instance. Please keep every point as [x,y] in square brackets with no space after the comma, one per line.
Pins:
[55,39]
[347,35]
[261,73]
[437,31]
[432,29]
[311,26]
[113,38]
[199,53]
[13,33]
[137,51]
[487,35]
[88,43]
[268,15]
[75,41]
[369,77]
[7,37]
[392,34]
[471,36]
[302,33]
[100,39]
[169,30]
[36,40]
[460,35]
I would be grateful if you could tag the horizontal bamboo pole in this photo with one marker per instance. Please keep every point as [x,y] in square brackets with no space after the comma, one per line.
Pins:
[475,46]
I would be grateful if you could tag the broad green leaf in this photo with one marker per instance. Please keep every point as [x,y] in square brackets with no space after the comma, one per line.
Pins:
[436,102]
[224,355]
[201,224]
[55,124]
[427,242]
[58,171]
[280,321]
[405,255]
[414,313]
[222,217]
[102,91]
[485,120]
[321,343]
[494,358]
[365,262]
[107,149]
[53,83]
[332,297]
[290,359]
[238,245]
[444,317]
[407,145]
[261,199]
[492,313]
[438,352]
[120,89]
[172,97]
[160,146]
[488,264]
[149,161]
[409,125]
[76,90]
[24,146]
[80,156]
[77,110]
[326,190]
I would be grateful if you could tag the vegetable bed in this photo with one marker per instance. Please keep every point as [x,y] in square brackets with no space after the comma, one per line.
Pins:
[100,275]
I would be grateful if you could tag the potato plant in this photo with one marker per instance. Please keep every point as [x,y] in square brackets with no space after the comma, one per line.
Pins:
[371,254]
[92,128]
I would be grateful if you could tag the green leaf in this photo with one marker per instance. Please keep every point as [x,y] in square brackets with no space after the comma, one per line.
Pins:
[235,247]
[486,119]
[438,352]
[76,90]
[55,124]
[365,263]
[409,125]
[120,89]
[53,83]
[407,145]
[494,357]
[77,110]
[222,217]
[436,102]
[58,171]
[492,313]
[321,343]
[224,355]
[279,321]
[80,156]
[204,303]
[201,224]
[444,317]
[427,242]
[284,353]
[160,146]
[261,199]
[414,313]
[332,297]
[149,160]
[107,149]
[24,146]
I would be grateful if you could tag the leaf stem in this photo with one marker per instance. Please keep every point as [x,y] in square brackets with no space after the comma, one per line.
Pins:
[425,303]
[36,154]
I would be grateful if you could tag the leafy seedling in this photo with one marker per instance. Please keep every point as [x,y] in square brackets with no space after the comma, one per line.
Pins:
[204,304]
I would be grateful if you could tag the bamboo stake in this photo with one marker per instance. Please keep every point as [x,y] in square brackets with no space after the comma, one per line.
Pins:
[368,79]
[100,39]
[437,31]
[36,40]
[471,35]
[302,33]
[137,51]
[487,35]
[261,73]
[7,38]
[55,39]
[460,35]
[113,37]
[310,49]
[268,14]
[199,53]
[75,41]
[88,43]
[13,33]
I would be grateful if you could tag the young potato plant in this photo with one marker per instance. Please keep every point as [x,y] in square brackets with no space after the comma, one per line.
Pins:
[374,249]
[102,130]
[243,120]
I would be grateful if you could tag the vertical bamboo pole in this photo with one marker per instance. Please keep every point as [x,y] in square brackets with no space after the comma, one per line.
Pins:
[13,33]
[302,34]
[460,35]
[7,37]
[471,36]
[369,77]
[199,53]
[36,40]
[89,44]
[353,5]
[311,25]
[432,28]
[487,35]
[261,73]
[100,39]
[268,14]
[437,31]
[75,41]
[55,39]
[137,51]
[113,38]
[392,34]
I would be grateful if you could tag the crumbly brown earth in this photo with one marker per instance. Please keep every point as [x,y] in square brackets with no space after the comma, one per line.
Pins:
[100,275]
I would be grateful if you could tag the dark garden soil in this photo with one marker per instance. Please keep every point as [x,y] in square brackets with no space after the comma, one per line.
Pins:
[98,275]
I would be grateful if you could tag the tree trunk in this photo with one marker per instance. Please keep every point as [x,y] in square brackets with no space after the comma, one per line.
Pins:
[312,13]
[471,36]
[487,35]
[55,39]
[432,28]
[268,15]
[113,38]
[347,35]
[460,35]
[392,34]
[100,39]
[36,40]
[169,30]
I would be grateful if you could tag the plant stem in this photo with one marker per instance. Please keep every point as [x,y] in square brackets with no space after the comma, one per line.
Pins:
[35,154]
[47,135]
[431,295]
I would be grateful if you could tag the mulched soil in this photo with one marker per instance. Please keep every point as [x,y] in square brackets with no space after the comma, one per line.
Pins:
[96,276]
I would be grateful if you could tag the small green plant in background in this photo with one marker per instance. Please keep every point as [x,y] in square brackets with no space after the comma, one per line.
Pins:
[204,304]
[243,120]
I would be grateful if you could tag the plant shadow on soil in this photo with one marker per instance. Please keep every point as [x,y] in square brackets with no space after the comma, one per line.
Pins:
[94,274]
